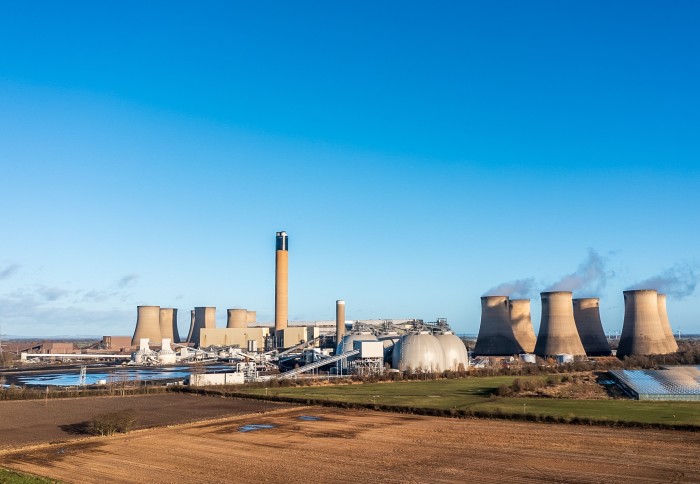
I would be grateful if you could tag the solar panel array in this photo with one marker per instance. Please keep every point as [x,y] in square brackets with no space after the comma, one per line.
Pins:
[682,382]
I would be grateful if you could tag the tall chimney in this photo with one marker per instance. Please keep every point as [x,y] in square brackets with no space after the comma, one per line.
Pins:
[281,281]
[147,324]
[521,323]
[496,336]
[339,320]
[642,332]
[589,326]
[671,345]
[558,333]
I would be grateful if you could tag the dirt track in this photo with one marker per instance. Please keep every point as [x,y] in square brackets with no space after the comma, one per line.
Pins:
[34,421]
[352,446]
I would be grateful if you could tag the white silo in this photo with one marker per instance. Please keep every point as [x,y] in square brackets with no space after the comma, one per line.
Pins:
[418,353]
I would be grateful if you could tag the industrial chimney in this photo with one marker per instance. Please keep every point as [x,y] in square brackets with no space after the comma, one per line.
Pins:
[671,345]
[236,318]
[589,326]
[496,336]
[521,323]
[147,324]
[281,280]
[339,320]
[204,317]
[642,332]
[168,324]
[191,332]
[558,333]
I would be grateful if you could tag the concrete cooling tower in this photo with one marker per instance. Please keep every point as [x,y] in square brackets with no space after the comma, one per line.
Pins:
[558,333]
[250,317]
[339,320]
[236,318]
[147,324]
[281,281]
[204,317]
[168,324]
[191,331]
[496,336]
[418,353]
[521,323]
[589,326]
[671,345]
[642,331]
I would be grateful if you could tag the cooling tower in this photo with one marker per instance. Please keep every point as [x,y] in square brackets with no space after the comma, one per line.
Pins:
[191,332]
[281,280]
[558,333]
[236,318]
[250,317]
[671,345]
[204,317]
[168,324]
[642,331]
[147,324]
[339,320]
[589,326]
[496,336]
[521,323]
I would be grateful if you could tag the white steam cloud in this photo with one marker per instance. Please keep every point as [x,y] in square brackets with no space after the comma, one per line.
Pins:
[590,277]
[679,281]
[520,288]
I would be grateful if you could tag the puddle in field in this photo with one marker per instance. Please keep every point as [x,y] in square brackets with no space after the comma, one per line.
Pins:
[252,427]
[309,418]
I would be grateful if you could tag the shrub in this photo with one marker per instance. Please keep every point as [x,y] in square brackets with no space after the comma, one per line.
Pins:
[111,423]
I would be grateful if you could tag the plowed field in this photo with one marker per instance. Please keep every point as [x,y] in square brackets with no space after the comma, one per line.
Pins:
[366,446]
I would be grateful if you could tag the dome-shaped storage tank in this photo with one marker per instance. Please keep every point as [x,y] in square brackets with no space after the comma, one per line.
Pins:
[349,339]
[418,352]
[389,341]
[454,351]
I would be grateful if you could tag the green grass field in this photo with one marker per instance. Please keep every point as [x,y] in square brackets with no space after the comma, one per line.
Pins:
[476,394]
[11,477]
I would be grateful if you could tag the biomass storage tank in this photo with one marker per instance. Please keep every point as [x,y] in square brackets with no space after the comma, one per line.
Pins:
[416,353]
[454,352]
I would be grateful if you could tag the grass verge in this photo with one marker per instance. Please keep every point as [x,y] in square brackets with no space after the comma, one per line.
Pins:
[11,477]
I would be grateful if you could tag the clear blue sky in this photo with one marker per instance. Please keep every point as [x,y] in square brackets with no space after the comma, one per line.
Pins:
[417,153]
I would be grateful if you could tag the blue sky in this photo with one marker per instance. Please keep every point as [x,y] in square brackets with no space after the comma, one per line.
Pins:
[417,154]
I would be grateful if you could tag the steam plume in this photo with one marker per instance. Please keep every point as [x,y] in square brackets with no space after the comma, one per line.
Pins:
[679,281]
[590,277]
[520,288]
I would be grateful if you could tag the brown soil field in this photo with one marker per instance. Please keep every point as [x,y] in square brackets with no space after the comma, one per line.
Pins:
[35,421]
[357,446]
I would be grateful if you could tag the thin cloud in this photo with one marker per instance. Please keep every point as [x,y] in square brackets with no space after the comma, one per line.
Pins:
[127,281]
[9,271]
